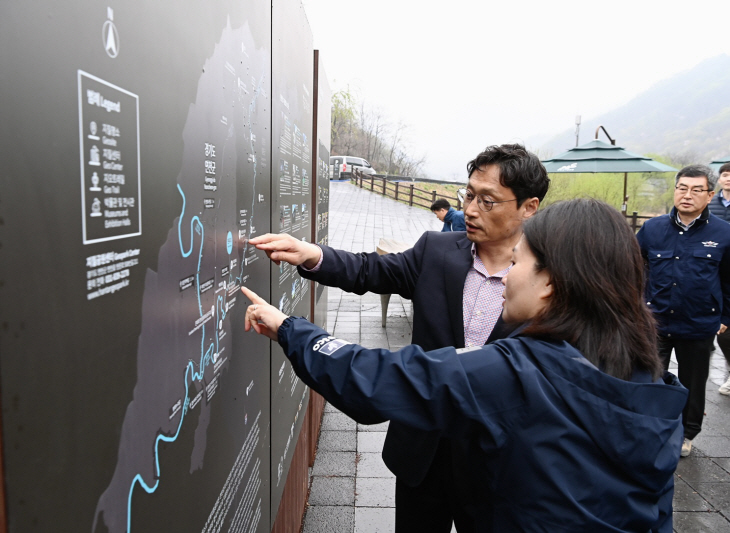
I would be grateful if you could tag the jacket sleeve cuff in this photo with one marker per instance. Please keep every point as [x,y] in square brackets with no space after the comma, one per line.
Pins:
[316,267]
[283,333]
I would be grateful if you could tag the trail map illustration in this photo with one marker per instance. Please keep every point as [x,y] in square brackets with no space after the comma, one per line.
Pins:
[143,145]
[201,267]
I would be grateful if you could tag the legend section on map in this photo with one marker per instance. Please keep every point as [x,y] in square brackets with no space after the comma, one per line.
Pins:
[109,146]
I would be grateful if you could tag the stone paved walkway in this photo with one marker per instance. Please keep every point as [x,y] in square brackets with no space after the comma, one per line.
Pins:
[351,489]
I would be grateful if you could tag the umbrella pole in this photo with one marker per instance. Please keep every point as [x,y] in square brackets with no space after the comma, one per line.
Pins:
[626,198]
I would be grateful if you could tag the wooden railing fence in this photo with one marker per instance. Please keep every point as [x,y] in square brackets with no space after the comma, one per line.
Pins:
[410,194]
[401,191]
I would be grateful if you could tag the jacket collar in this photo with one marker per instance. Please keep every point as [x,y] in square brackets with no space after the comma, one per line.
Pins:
[718,197]
[704,217]
[463,242]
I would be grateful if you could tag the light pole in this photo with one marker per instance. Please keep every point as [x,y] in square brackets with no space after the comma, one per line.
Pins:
[613,143]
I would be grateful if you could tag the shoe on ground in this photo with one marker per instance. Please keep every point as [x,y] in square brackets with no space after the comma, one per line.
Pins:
[686,448]
[725,388]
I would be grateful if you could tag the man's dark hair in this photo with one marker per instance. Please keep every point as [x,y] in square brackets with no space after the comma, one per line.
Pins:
[724,168]
[519,170]
[597,274]
[698,171]
[439,204]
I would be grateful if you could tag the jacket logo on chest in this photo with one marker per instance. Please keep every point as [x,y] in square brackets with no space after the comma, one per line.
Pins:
[709,244]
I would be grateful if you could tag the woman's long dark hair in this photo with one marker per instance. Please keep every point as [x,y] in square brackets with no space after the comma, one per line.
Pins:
[597,273]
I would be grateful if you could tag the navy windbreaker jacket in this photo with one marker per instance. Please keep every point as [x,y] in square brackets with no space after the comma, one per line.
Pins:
[454,221]
[688,285]
[556,445]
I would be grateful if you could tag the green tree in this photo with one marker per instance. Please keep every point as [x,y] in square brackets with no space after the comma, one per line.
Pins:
[344,118]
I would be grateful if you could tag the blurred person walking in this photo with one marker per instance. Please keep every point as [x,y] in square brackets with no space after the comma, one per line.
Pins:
[453,220]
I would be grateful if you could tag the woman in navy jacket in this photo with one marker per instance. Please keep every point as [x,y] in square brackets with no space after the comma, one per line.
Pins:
[569,423]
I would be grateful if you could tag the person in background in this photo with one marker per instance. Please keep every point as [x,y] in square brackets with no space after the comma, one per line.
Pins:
[720,207]
[687,255]
[453,220]
[454,280]
[571,423]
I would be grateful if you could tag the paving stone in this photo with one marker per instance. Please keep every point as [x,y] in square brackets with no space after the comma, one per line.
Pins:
[718,494]
[373,427]
[712,522]
[346,333]
[338,421]
[374,492]
[723,462]
[373,323]
[352,322]
[372,465]
[337,441]
[402,331]
[373,340]
[352,337]
[349,306]
[327,490]
[374,520]
[345,315]
[712,446]
[398,333]
[718,413]
[334,464]
[329,519]
[370,441]
[712,427]
[701,469]
[687,499]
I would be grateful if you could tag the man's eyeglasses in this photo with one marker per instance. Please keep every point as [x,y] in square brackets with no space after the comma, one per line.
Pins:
[484,202]
[695,191]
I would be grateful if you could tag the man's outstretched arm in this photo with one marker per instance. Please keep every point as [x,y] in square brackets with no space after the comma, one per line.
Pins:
[283,247]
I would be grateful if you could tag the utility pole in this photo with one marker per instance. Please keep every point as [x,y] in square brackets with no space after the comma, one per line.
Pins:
[577,129]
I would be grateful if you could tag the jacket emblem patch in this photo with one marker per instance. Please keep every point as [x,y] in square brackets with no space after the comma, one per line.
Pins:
[710,244]
[329,345]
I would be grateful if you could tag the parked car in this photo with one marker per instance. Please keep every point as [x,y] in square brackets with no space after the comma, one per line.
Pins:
[344,164]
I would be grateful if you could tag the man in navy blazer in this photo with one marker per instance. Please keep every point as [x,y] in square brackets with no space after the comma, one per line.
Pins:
[454,282]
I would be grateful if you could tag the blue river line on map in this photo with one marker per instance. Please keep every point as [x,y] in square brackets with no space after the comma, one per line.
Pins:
[196,226]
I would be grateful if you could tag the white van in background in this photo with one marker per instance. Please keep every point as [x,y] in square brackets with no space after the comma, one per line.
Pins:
[340,164]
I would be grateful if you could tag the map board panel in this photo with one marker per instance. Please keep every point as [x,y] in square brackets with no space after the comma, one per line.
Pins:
[136,142]
[321,145]
[292,78]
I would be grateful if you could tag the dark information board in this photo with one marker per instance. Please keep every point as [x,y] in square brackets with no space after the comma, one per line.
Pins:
[321,143]
[292,65]
[136,141]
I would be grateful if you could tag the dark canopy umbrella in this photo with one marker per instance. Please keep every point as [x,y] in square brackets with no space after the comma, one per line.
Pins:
[717,163]
[598,156]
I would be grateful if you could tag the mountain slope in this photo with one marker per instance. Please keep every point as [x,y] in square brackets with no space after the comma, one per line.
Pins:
[686,117]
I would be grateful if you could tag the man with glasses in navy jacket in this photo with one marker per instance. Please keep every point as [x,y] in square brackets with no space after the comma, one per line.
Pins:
[687,254]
